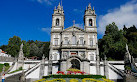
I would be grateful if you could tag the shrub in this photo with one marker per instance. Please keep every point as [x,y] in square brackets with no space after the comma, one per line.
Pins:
[73,80]
[75,76]
[20,68]
[6,64]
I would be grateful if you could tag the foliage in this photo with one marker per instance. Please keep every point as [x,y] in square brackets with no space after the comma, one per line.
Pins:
[30,48]
[72,69]
[1,67]
[74,76]
[113,42]
[16,70]
[14,46]
[73,80]
[56,80]
[90,80]
[40,80]
[6,64]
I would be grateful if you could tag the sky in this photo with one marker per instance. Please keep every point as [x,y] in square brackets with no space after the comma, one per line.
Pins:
[32,19]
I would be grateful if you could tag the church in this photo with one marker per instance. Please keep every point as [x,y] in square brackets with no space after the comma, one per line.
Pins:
[70,48]
[74,47]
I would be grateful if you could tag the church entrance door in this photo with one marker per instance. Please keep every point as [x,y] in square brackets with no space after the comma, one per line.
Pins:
[75,64]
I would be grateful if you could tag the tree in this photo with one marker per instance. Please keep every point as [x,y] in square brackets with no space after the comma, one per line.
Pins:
[14,46]
[26,48]
[46,49]
[113,43]
[33,49]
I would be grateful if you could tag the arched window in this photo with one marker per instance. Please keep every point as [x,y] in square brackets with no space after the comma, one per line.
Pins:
[73,39]
[57,22]
[90,22]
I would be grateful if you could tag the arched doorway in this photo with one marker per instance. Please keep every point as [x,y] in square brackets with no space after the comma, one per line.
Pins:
[75,64]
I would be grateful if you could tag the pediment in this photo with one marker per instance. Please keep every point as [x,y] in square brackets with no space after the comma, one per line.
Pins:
[73,28]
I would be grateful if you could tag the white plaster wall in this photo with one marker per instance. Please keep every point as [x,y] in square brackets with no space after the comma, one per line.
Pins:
[55,69]
[46,71]
[34,74]
[93,70]
[102,70]
[26,66]
[113,75]
[14,67]
[119,67]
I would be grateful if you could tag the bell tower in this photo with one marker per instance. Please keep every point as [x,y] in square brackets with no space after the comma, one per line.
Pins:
[90,19]
[58,19]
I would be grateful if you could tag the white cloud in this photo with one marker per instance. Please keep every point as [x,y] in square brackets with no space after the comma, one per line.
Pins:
[48,2]
[47,30]
[125,15]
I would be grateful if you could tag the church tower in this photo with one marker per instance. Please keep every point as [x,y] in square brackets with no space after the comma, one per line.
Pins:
[90,19]
[57,27]
[58,19]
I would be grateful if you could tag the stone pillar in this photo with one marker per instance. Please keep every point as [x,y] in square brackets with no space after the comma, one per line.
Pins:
[42,67]
[86,66]
[97,61]
[106,68]
[63,66]
[50,65]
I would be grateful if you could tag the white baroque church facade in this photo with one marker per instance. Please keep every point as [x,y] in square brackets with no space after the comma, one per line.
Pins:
[74,47]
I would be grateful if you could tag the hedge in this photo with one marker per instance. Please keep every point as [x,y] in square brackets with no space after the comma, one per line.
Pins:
[75,76]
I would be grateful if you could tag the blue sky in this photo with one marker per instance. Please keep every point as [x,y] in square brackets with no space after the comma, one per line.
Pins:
[31,19]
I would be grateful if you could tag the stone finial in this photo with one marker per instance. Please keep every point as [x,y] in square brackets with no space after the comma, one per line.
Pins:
[93,8]
[89,6]
[21,47]
[59,7]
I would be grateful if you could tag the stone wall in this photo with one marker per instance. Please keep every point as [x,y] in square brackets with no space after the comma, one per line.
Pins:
[6,59]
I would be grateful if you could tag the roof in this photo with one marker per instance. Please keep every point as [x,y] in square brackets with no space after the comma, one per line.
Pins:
[73,28]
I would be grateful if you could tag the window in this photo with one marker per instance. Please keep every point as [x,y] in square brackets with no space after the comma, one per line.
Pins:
[81,40]
[66,41]
[92,57]
[91,42]
[56,42]
[57,22]
[90,22]
[55,56]
[74,40]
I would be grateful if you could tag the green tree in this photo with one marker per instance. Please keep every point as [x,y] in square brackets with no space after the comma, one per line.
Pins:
[26,48]
[33,49]
[14,46]
[113,43]
[46,49]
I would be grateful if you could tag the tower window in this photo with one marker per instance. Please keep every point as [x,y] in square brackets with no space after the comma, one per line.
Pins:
[56,42]
[90,22]
[57,22]
[91,42]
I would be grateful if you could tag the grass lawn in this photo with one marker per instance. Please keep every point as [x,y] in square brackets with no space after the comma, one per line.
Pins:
[1,67]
